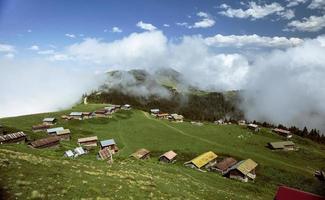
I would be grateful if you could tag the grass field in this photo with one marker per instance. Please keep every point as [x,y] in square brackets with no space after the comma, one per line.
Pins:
[45,174]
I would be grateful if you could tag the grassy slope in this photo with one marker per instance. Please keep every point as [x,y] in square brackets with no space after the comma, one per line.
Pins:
[24,170]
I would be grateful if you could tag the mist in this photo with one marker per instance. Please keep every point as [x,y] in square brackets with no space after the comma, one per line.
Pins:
[34,86]
[282,78]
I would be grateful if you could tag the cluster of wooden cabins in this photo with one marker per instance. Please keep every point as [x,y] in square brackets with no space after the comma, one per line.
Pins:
[172,117]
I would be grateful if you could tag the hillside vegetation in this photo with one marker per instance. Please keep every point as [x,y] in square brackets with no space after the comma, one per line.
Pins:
[28,173]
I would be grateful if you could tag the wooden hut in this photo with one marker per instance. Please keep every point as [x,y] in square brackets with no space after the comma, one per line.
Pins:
[243,170]
[13,138]
[51,141]
[54,131]
[141,154]
[224,165]
[168,157]
[64,134]
[206,160]
[253,127]
[282,132]
[49,120]
[176,117]
[110,144]
[76,115]
[282,145]
[88,142]
[40,127]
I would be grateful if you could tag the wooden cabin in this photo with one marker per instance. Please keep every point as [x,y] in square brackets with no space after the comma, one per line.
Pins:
[168,157]
[282,145]
[253,127]
[105,154]
[76,115]
[283,132]
[101,113]
[51,141]
[110,144]
[64,134]
[13,138]
[54,131]
[88,142]
[162,115]
[49,121]
[205,160]
[126,107]
[241,122]
[40,127]
[141,154]
[243,170]
[66,117]
[287,193]
[87,115]
[176,117]
[224,165]
[154,111]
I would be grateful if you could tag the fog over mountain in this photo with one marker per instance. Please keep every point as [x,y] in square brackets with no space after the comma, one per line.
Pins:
[282,79]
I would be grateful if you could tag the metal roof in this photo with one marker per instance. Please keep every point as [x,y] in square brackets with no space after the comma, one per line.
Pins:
[170,155]
[79,151]
[155,110]
[54,130]
[49,119]
[63,132]
[253,125]
[245,166]
[204,159]
[76,114]
[226,163]
[105,143]
[281,144]
[278,130]
[69,153]
[88,139]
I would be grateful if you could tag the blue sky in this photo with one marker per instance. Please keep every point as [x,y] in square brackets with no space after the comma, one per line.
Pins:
[48,21]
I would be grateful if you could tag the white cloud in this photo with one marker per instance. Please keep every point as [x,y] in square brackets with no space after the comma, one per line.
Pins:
[34,48]
[166,25]
[70,35]
[287,14]
[311,24]
[46,52]
[146,26]
[185,24]
[206,22]
[9,55]
[317,4]
[292,3]
[254,11]
[116,29]
[6,48]
[252,41]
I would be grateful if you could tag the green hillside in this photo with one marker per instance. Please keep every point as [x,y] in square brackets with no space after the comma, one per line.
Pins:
[44,173]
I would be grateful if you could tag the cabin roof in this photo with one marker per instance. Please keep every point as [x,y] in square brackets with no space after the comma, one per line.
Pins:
[140,153]
[63,132]
[285,193]
[203,159]
[45,141]
[69,153]
[253,125]
[105,143]
[245,166]
[104,153]
[49,119]
[76,114]
[12,136]
[79,150]
[57,129]
[226,163]
[170,155]
[278,130]
[281,144]
[88,139]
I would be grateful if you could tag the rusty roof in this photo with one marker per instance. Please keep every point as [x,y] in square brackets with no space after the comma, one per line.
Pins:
[140,153]
[105,153]
[45,141]
[12,136]
[226,163]
[170,155]
[41,126]
[88,139]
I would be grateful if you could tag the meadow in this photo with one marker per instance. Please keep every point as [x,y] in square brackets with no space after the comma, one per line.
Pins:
[28,173]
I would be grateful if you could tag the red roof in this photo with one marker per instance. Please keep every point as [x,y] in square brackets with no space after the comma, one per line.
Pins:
[286,193]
